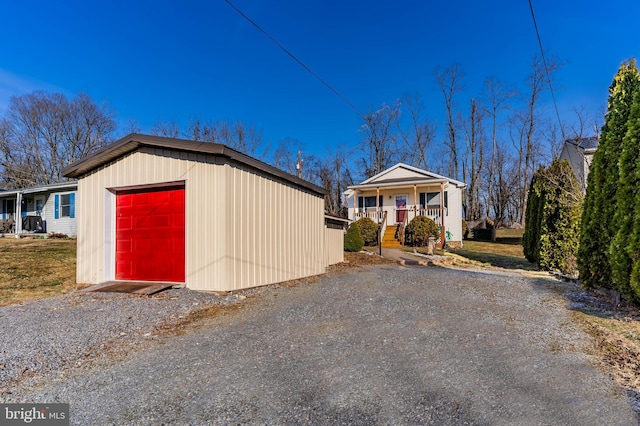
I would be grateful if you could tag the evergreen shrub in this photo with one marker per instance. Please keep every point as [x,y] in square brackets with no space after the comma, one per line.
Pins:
[419,230]
[368,231]
[353,240]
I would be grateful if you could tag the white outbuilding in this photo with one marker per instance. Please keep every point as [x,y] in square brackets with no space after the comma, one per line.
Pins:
[196,213]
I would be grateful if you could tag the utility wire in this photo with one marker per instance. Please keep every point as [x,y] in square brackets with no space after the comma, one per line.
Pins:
[546,68]
[285,50]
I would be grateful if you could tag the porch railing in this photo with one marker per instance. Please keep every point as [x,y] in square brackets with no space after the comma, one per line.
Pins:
[401,228]
[375,215]
[383,226]
[378,215]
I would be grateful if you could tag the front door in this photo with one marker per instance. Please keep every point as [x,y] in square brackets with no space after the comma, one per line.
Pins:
[39,205]
[401,208]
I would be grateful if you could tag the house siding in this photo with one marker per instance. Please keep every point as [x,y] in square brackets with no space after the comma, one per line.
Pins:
[453,213]
[63,225]
[242,229]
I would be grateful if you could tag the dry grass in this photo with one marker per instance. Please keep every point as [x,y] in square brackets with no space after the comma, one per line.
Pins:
[36,268]
[616,338]
[505,252]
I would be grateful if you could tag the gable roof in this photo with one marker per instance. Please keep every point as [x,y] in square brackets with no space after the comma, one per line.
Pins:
[403,174]
[135,141]
[589,144]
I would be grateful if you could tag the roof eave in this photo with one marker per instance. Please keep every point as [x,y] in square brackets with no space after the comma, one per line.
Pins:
[134,141]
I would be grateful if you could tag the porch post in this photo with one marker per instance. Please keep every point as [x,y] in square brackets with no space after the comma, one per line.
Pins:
[355,203]
[442,233]
[379,214]
[415,200]
[18,210]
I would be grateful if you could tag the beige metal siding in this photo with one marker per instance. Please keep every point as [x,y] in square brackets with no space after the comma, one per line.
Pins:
[242,229]
[275,231]
[334,246]
[205,212]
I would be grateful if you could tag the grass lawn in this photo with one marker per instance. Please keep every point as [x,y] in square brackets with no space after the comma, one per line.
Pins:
[36,268]
[505,252]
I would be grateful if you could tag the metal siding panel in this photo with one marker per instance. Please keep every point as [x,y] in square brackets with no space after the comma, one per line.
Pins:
[288,225]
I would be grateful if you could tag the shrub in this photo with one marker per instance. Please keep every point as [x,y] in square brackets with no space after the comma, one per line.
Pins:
[553,218]
[419,230]
[353,240]
[368,231]
[465,229]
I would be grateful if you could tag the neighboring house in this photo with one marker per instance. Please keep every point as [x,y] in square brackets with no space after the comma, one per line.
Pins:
[400,193]
[199,214]
[579,152]
[42,209]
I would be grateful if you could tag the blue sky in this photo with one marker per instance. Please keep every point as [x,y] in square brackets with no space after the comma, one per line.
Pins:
[168,60]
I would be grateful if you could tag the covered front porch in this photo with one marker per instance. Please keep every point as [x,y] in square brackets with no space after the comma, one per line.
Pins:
[395,206]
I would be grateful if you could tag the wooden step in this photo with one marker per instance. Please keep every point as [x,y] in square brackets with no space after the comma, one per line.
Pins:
[389,239]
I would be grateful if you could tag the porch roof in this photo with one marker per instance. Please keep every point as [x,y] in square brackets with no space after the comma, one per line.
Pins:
[399,183]
[71,186]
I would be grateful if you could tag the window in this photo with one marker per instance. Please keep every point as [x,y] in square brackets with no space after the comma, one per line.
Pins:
[431,200]
[368,202]
[65,205]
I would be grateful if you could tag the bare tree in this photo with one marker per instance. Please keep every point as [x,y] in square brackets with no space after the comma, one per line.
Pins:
[169,129]
[538,80]
[449,81]
[42,133]
[244,138]
[379,144]
[202,131]
[418,135]
[505,179]
[334,176]
[240,137]
[475,141]
[496,99]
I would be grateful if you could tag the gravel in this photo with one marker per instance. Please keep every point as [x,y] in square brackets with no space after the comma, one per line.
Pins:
[52,335]
[377,345]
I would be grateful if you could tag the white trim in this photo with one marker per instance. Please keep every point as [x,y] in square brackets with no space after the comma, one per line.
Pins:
[109,235]
[426,173]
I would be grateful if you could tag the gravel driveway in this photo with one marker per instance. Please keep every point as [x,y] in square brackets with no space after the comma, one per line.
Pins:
[376,345]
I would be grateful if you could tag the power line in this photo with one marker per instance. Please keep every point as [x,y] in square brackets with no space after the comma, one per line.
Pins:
[285,50]
[546,68]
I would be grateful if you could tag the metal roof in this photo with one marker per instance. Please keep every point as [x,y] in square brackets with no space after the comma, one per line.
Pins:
[588,144]
[135,141]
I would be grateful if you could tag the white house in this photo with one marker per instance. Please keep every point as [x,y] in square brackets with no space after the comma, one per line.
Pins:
[198,214]
[579,152]
[41,209]
[400,193]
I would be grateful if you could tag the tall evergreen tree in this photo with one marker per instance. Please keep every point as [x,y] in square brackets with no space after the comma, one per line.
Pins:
[561,208]
[633,247]
[620,254]
[533,218]
[552,226]
[600,203]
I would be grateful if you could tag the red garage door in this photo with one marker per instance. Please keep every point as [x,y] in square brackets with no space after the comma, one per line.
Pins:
[150,234]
